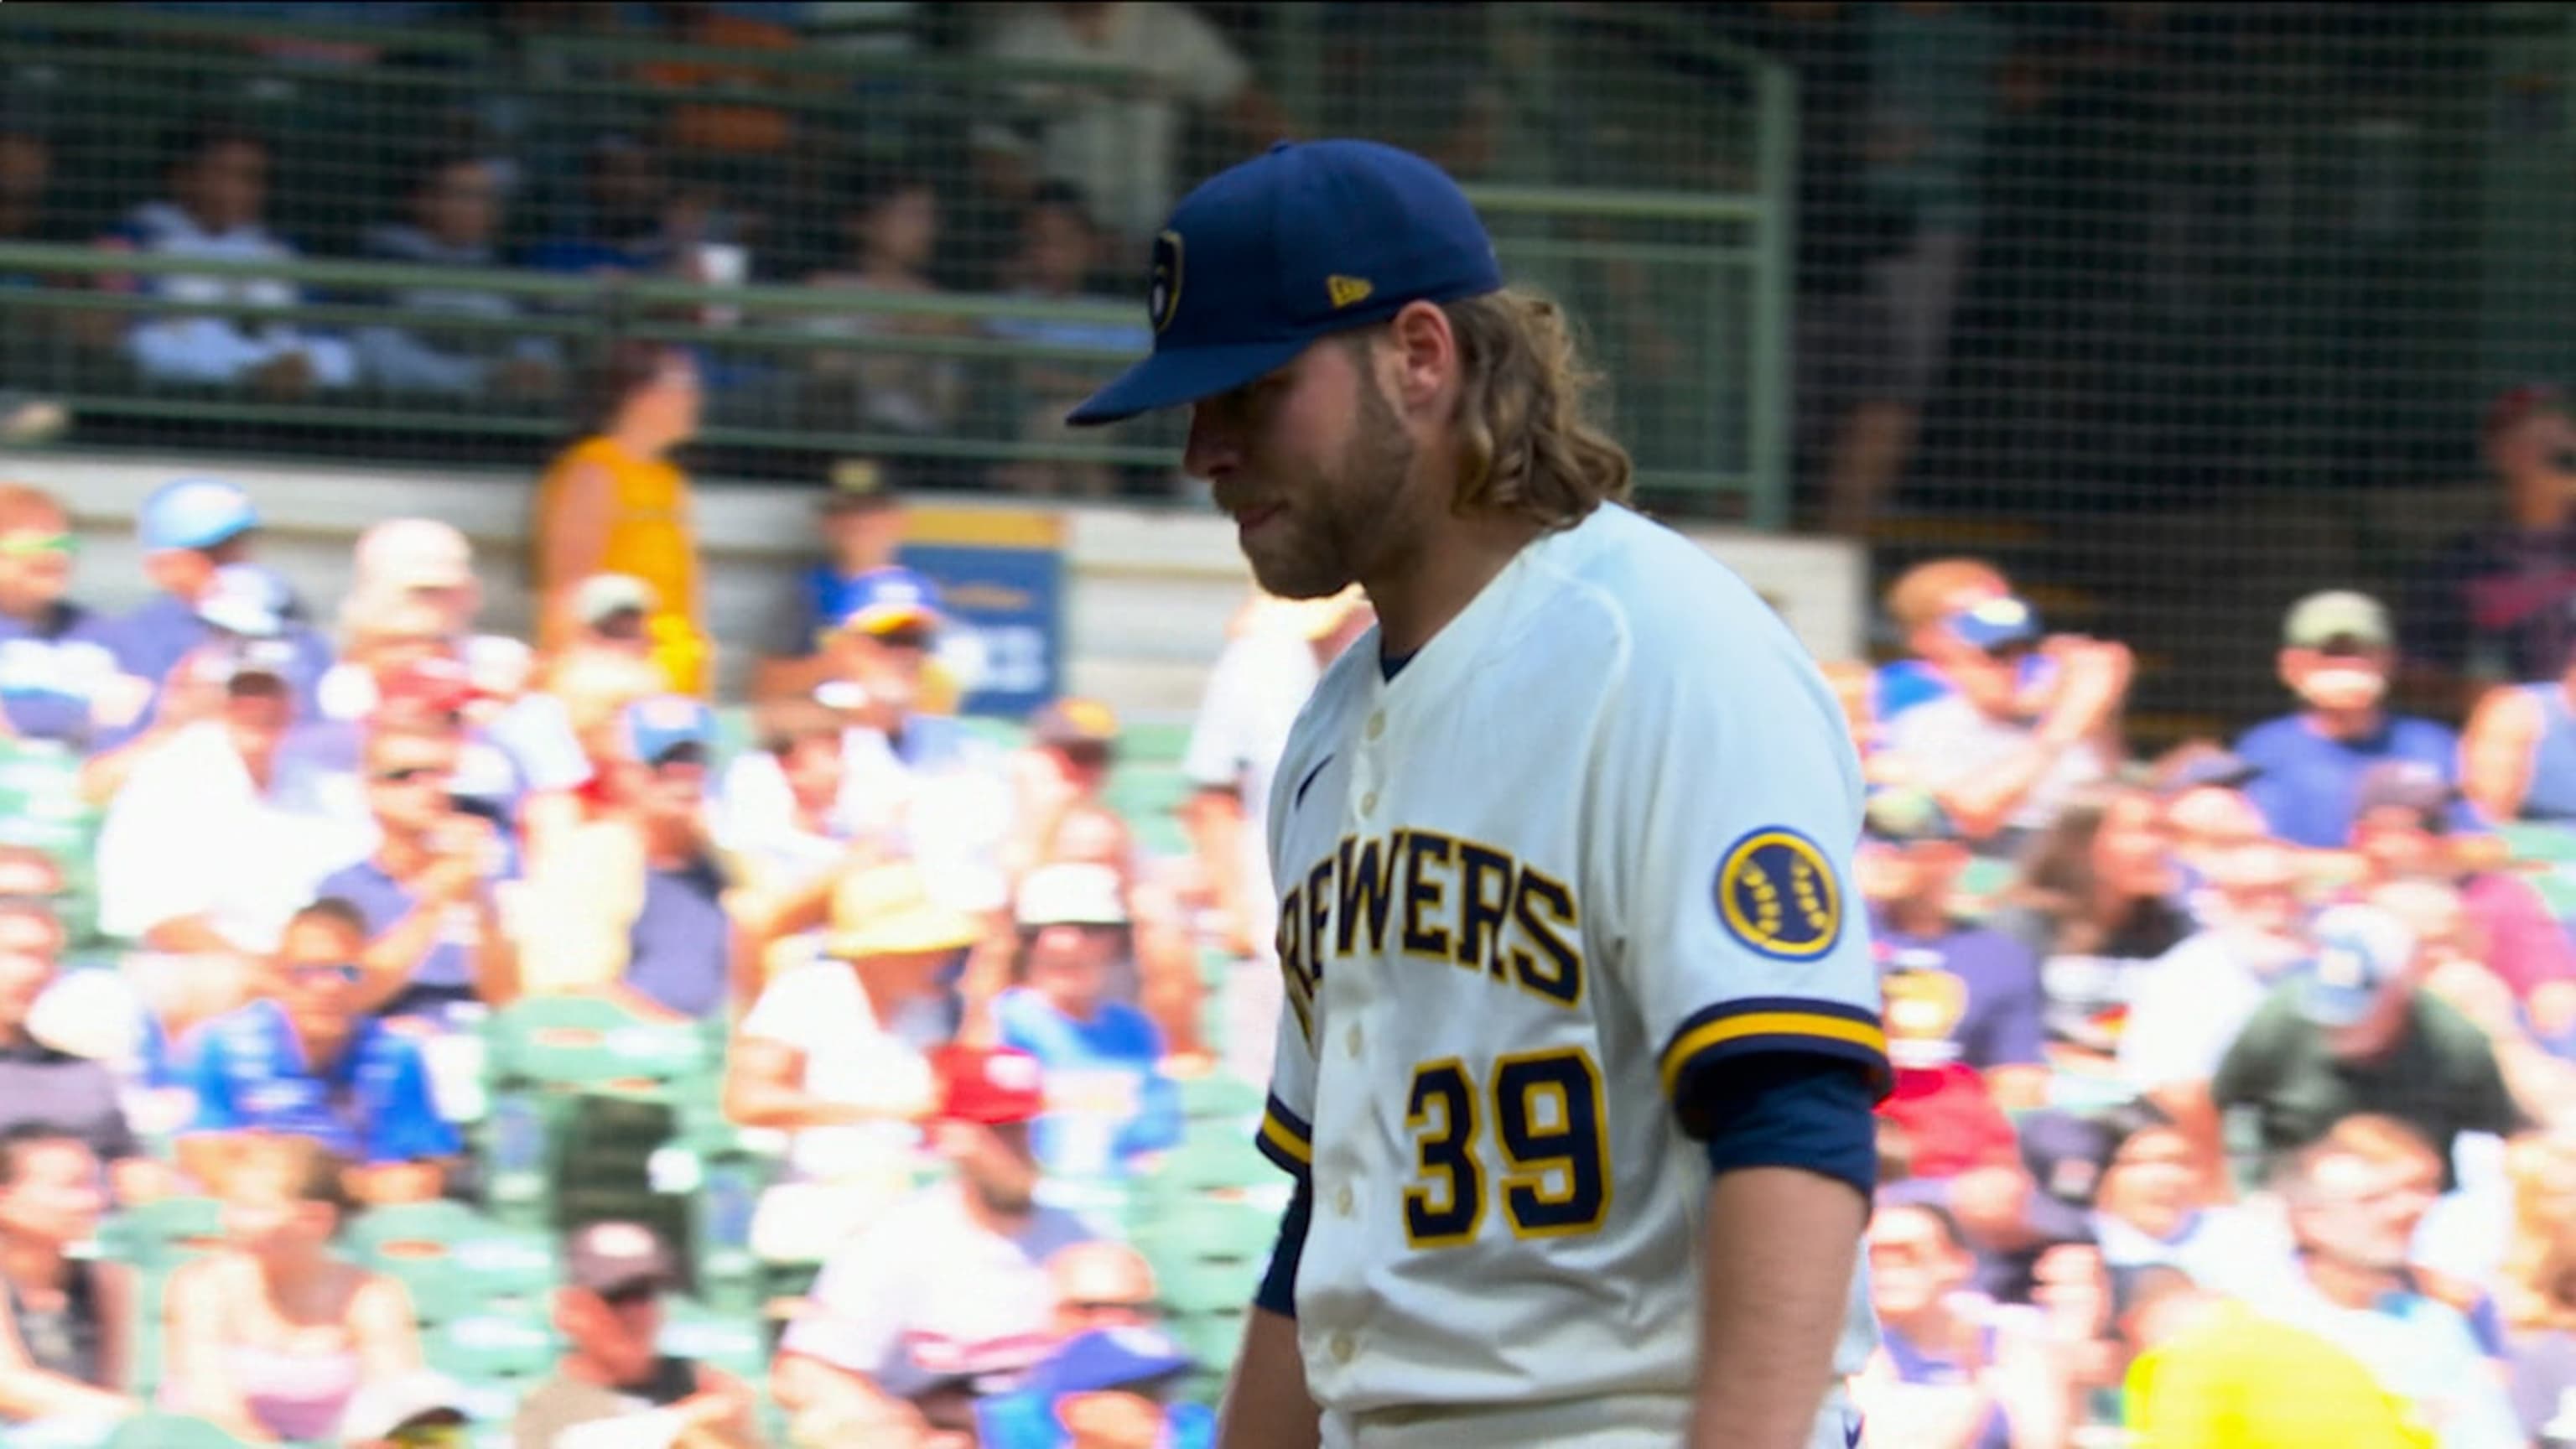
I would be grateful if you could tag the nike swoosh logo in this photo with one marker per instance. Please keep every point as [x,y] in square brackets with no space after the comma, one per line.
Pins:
[1300,797]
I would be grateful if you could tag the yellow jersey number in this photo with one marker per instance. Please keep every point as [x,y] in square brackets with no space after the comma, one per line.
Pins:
[1546,1110]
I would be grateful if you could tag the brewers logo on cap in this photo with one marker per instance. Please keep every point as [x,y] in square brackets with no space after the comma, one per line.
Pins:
[1163,292]
[1777,894]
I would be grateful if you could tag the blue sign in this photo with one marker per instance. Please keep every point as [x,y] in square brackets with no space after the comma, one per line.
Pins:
[1001,581]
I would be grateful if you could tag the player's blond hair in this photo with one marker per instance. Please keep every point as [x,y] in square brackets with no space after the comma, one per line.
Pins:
[1527,443]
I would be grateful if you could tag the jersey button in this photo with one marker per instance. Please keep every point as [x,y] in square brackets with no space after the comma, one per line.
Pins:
[1342,1200]
[1351,1040]
[1377,724]
[1343,1348]
[1368,803]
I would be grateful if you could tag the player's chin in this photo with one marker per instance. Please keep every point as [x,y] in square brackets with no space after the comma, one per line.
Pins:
[1291,572]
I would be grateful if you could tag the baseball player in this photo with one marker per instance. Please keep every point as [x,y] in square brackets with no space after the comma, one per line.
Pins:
[1582,1037]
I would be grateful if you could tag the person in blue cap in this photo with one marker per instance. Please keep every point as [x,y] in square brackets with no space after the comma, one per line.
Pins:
[1575,1072]
[196,535]
[1110,1388]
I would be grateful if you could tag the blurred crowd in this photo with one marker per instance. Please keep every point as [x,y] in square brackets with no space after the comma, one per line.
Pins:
[339,840]
[2242,1078]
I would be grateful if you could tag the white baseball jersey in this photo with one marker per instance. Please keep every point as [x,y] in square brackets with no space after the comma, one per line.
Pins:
[1593,837]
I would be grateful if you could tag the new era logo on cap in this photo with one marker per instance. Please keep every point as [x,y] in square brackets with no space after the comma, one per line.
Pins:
[1348,291]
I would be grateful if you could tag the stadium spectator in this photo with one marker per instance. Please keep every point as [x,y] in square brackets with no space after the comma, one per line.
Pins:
[619,225]
[632,905]
[1117,142]
[1919,605]
[1108,1102]
[205,916]
[1102,1284]
[1072,748]
[218,180]
[614,503]
[1059,248]
[1106,1389]
[1160,971]
[893,235]
[1260,680]
[1956,991]
[1951,1369]
[2188,1006]
[42,1086]
[2094,902]
[26,178]
[2537,1295]
[2214,1372]
[2495,604]
[796,853]
[614,1385]
[70,1321]
[910,780]
[861,527]
[272,1336]
[304,1060]
[952,1284]
[2336,653]
[2153,1201]
[2355,1032]
[731,132]
[2518,752]
[428,891]
[2403,833]
[57,657]
[2005,749]
[832,1053]
[456,213]
[588,690]
[2354,1203]
[192,530]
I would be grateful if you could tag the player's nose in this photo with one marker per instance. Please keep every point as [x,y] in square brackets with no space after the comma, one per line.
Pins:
[1215,447]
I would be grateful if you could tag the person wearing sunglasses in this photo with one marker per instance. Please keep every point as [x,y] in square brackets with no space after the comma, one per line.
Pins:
[615,1387]
[435,947]
[302,1059]
[2338,650]
[57,656]
[2007,748]
[2498,604]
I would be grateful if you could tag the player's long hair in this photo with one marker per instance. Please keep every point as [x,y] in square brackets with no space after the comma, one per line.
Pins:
[1527,444]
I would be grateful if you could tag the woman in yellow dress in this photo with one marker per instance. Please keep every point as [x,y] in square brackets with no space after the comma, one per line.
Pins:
[614,503]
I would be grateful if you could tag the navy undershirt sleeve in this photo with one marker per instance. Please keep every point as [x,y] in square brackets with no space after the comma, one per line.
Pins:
[1278,1291]
[1789,1109]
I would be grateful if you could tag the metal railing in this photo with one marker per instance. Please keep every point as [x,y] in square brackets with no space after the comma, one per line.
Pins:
[1682,289]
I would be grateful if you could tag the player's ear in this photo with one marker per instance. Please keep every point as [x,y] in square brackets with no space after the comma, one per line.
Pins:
[1426,354]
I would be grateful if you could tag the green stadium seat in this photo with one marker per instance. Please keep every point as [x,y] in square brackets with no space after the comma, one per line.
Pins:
[487,1346]
[1212,1159]
[734,1342]
[1219,1098]
[588,1044]
[456,1262]
[157,1236]
[2549,842]
[169,1431]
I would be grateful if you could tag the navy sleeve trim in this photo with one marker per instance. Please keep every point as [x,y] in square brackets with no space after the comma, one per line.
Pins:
[1809,1112]
[1764,1025]
[1278,1291]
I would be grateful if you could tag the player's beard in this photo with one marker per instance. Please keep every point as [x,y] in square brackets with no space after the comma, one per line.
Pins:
[1346,518]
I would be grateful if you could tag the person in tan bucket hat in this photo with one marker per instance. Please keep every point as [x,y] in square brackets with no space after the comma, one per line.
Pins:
[831,1054]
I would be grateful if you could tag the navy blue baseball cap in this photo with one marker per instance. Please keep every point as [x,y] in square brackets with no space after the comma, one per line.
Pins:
[1305,240]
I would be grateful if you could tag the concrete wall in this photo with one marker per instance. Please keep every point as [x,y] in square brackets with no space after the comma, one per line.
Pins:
[1150,593]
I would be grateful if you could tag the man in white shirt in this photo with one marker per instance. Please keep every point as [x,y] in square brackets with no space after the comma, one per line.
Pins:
[2004,750]
[950,1287]
[824,1055]
[1119,145]
[2355,1200]
[217,839]
[1260,681]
